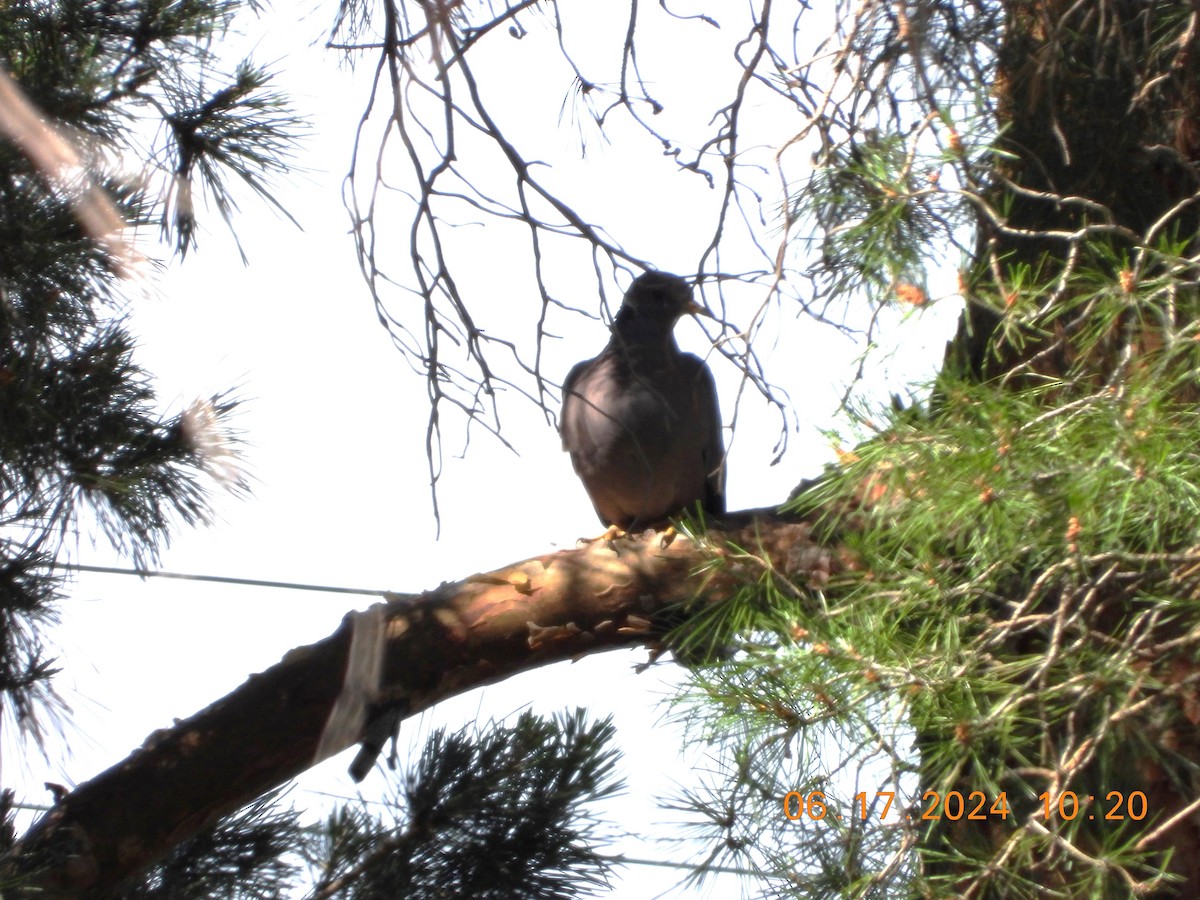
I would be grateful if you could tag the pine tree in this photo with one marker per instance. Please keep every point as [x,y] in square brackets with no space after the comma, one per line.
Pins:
[81,445]
[86,90]
[978,642]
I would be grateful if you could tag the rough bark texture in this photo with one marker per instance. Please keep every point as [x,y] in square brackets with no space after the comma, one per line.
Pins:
[436,644]
[1094,108]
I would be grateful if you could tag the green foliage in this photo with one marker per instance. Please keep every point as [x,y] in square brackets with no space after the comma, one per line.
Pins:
[801,727]
[876,205]
[29,596]
[83,446]
[491,814]
[1016,590]
[1003,529]
[243,130]
[244,856]
[81,442]
[136,78]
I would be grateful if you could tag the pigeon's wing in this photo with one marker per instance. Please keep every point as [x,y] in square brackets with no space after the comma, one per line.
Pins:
[586,437]
[566,426]
[712,450]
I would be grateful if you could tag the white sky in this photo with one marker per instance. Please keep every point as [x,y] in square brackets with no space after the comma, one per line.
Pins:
[335,425]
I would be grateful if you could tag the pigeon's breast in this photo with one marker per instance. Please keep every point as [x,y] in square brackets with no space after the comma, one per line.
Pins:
[619,412]
[631,433]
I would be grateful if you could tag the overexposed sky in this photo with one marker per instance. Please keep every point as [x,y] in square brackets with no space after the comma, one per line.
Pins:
[334,424]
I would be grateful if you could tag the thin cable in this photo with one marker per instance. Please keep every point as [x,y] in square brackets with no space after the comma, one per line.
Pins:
[221,579]
[621,859]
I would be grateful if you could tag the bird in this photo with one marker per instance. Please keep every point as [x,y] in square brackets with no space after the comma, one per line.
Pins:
[641,420]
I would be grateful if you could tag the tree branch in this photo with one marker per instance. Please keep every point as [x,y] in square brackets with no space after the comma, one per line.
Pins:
[409,653]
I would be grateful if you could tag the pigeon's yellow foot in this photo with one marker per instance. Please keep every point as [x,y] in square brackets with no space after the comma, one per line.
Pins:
[610,534]
[667,536]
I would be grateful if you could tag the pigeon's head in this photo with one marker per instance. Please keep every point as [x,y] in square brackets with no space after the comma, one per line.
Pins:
[654,303]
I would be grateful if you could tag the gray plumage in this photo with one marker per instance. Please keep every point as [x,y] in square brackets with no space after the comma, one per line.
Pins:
[641,420]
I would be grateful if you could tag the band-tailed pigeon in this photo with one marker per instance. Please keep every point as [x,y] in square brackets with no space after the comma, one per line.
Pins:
[641,420]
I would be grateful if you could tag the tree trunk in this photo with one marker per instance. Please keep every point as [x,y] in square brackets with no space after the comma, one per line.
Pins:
[1092,109]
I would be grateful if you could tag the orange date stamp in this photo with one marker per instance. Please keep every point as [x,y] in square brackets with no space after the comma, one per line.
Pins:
[975,806]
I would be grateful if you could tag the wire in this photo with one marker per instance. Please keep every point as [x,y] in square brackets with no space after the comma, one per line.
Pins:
[221,579]
[622,859]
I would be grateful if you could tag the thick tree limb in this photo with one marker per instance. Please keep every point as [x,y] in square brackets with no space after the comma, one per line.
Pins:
[408,653]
